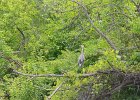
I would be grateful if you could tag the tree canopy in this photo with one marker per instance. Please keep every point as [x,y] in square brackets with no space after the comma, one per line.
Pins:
[40,45]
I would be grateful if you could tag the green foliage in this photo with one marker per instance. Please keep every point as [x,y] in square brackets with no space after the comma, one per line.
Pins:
[48,42]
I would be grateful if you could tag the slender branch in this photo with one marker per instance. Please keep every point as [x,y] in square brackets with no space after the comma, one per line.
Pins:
[136,5]
[11,60]
[23,39]
[49,98]
[21,33]
[13,52]
[134,2]
[52,75]
[92,23]
[36,75]
[61,75]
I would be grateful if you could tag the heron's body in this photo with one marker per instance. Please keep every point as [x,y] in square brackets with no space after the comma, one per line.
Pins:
[81,57]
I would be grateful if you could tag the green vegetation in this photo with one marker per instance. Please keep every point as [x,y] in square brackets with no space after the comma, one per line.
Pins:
[40,45]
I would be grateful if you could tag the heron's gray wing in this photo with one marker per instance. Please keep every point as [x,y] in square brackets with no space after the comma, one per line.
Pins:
[81,60]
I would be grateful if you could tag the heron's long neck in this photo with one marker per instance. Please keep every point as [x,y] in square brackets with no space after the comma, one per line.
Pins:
[82,51]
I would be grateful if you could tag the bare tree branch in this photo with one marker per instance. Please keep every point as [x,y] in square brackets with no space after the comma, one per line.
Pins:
[136,5]
[134,2]
[23,39]
[11,60]
[49,98]
[61,75]
[13,52]
[91,22]
[23,36]
[53,75]
[36,75]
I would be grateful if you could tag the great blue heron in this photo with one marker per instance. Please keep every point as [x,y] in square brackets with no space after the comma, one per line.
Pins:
[81,57]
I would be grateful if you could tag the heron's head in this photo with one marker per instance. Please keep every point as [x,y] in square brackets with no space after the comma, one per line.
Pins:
[82,46]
